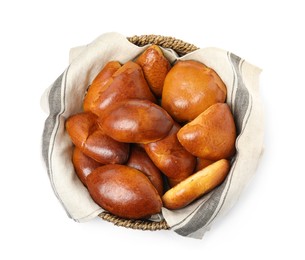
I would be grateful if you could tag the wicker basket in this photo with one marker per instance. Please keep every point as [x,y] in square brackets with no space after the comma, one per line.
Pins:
[181,48]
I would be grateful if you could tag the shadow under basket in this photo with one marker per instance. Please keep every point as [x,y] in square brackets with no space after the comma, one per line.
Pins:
[181,48]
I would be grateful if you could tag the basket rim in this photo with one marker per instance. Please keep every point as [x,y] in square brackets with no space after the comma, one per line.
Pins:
[142,224]
[179,46]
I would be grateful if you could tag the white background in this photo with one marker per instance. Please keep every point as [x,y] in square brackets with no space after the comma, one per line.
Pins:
[268,220]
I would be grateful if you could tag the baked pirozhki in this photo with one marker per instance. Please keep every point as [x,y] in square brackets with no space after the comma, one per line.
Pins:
[190,88]
[155,68]
[152,134]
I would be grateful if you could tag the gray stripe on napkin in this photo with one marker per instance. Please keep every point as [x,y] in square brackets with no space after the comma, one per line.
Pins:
[242,96]
[54,99]
[206,212]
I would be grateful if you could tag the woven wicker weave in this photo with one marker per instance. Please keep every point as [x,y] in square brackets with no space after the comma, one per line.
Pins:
[181,48]
[178,46]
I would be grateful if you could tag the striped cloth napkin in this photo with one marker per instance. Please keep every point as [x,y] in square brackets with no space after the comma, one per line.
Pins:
[64,98]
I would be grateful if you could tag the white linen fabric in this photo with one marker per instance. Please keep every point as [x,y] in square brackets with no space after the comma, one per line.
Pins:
[64,98]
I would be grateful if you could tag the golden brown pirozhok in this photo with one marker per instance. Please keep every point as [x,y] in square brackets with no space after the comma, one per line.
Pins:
[196,185]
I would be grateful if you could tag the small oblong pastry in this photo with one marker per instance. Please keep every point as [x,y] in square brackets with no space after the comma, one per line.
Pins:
[190,88]
[139,160]
[127,82]
[99,84]
[86,135]
[136,121]
[196,185]
[155,67]
[211,135]
[124,191]
[83,164]
[171,157]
